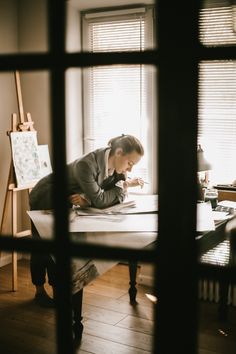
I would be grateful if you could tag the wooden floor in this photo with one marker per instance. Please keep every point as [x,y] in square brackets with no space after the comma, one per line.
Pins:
[111,324]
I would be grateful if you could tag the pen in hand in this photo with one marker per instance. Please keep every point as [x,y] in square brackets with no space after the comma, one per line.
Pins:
[140,178]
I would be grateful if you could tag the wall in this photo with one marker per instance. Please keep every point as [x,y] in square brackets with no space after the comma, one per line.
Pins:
[32,37]
[73,88]
[23,29]
[36,85]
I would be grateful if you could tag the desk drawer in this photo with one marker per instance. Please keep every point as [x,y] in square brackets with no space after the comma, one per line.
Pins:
[226,195]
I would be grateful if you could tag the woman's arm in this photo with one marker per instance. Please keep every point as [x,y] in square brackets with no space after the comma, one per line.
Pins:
[86,175]
[77,199]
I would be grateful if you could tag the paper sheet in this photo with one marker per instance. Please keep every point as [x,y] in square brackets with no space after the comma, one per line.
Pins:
[205,220]
[43,222]
[228,204]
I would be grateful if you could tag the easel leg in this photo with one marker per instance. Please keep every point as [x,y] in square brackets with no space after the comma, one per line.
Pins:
[4,213]
[132,273]
[14,232]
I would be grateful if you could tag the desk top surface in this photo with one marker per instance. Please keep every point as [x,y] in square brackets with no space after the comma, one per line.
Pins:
[125,230]
[142,218]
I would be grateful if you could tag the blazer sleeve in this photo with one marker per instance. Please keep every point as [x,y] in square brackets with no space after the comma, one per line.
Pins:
[86,177]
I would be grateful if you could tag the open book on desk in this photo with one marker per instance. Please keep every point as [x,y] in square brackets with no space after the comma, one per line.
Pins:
[134,204]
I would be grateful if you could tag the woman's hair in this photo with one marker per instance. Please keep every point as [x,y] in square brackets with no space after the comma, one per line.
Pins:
[127,143]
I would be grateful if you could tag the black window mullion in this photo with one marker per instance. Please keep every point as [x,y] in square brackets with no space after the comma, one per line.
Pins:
[63,275]
[177,107]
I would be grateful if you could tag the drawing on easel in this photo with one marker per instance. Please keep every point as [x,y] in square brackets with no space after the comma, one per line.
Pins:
[45,163]
[25,157]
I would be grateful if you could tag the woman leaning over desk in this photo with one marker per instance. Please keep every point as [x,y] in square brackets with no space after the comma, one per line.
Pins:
[99,179]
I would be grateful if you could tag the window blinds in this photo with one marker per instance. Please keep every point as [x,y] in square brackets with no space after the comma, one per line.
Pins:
[117,35]
[217,92]
[117,98]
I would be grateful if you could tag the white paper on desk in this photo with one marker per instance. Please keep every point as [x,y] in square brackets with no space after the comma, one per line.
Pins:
[43,222]
[205,220]
[228,204]
[220,215]
[144,203]
[115,223]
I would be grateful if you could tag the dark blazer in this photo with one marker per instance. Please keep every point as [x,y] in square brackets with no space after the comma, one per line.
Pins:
[85,175]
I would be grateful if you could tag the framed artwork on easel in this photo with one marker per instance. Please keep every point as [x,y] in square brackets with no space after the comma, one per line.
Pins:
[26,158]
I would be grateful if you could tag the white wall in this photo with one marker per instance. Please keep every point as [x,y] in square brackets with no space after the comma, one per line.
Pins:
[73,88]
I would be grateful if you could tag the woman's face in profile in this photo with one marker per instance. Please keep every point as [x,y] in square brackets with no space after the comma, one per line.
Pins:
[124,162]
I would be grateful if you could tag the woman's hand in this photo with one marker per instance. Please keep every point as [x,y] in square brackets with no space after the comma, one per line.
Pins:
[76,199]
[134,182]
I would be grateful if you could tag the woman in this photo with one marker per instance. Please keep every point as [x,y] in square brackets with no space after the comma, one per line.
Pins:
[99,179]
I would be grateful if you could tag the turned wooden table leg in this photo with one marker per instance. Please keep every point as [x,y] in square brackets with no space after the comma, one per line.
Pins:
[132,273]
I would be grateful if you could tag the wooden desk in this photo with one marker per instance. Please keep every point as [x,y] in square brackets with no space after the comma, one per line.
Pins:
[126,232]
[129,230]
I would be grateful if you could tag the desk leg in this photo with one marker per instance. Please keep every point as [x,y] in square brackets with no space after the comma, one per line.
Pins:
[77,316]
[132,274]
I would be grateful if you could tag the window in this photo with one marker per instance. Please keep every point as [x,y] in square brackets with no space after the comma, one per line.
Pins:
[118,99]
[177,109]
[217,93]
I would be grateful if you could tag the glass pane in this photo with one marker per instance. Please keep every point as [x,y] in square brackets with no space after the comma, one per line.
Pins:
[26,96]
[216,23]
[217,124]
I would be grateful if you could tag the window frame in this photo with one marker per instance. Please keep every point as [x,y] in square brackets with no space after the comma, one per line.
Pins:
[173,138]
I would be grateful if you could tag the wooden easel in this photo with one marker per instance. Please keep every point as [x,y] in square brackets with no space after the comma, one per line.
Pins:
[11,196]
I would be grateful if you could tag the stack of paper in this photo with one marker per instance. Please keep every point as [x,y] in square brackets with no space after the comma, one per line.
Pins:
[115,209]
[228,204]
[135,204]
